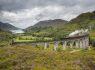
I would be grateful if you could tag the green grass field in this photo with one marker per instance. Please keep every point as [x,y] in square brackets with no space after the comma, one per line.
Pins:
[31,39]
[29,58]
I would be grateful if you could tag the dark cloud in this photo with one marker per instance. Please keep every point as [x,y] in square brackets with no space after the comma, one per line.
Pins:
[22,4]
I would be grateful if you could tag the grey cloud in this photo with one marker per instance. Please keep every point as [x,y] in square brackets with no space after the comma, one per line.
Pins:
[22,4]
[14,11]
[15,5]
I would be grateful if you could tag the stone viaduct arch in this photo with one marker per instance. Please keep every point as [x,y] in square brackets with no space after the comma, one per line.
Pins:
[68,42]
[72,42]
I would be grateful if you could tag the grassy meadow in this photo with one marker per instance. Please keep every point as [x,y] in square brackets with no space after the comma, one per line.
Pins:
[31,39]
[29,58]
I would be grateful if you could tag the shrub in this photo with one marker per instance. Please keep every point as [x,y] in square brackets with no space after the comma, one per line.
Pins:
[93,43]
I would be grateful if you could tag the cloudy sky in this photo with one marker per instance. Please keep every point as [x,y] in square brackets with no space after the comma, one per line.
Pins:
[24,13]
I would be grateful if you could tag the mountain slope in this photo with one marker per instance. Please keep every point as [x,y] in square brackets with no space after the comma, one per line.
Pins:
[47,24]
[5,33]
[85,20]
[48,28]
[5,38]
[52,23]
[7,26]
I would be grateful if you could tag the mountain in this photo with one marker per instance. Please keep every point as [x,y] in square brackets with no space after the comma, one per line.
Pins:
[52,23]
[84,16]
[7,26]
[59,28]
[46,28]
[85,20]
[47,24]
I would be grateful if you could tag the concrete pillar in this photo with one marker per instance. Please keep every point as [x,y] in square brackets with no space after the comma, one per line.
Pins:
[64,44]
[77,43]
[55,45]
[71,44]
[87,42]
[81,43]
[67,44]
[46,45]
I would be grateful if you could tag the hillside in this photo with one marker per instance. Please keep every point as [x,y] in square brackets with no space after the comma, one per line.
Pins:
[6,34]
[85,20]
[46,28]
[59,28]
[48,23]
[52,23]
[5,38]
[7,26]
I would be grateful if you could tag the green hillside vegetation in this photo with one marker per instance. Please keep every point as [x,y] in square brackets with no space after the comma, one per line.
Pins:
[48,28]
[47,32]
[31,39]
[85,20]
[5,38]
[5,34]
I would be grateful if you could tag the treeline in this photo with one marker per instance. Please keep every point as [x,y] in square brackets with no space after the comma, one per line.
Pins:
[5,38]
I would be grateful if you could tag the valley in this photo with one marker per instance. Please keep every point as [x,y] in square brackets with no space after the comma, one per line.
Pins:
[48,45]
